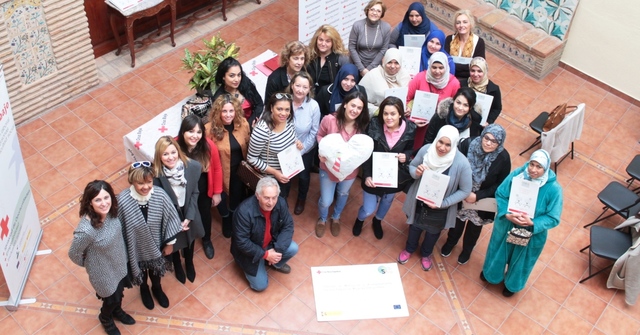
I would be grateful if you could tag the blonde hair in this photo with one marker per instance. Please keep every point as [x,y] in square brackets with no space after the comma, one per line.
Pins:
[161,145]
[472,21]
[294,48]
[373,3]
[336,41]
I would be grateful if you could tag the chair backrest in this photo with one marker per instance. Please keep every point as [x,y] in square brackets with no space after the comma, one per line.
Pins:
[557,141]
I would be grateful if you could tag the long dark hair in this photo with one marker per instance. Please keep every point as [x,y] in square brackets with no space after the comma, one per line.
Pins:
[469,94]
[267,115]
[90,192]
[247,88]
[391,101]
[202,151]
[362,120]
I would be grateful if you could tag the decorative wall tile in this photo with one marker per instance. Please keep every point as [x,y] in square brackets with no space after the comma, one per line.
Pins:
[552,16]
[29,39]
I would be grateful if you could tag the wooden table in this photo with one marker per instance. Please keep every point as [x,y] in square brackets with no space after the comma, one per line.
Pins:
[144,9]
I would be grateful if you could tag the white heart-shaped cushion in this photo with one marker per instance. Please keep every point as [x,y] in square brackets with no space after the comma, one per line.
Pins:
[345,157]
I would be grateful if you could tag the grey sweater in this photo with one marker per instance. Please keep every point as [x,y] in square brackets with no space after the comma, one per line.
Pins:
[367,53]
[102,253]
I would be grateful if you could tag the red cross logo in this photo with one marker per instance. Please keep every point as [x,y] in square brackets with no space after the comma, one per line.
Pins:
[4,227]
[253,73]
[137,145]
[163,129]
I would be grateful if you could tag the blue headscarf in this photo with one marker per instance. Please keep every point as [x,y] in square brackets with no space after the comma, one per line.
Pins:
[406,28]
[542,158]
[338,93]
[424,61]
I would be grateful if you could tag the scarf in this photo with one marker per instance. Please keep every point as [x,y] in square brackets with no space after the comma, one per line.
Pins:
[482,85]
[425,55]
[401,78]
[542,157]
[440,164]
[177,181]
[460,124]
[338,92]
[406,28]
[438,57]
[141,199]
[467,49]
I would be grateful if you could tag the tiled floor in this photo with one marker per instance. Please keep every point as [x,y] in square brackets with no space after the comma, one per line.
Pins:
[82,140]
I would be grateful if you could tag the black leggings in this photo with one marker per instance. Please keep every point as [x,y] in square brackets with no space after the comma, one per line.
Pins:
[204,205]
[114,301]
[237,193]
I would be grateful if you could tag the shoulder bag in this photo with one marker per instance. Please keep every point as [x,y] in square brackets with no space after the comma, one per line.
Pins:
[557,115]
[248,174]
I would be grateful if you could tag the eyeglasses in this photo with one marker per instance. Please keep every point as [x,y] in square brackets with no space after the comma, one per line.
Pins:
[281,96]
[136,165]
[493,141]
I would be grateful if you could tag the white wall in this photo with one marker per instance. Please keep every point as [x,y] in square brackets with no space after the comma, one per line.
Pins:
[604,43]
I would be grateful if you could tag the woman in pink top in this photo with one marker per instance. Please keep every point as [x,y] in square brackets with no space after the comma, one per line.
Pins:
[436,79]
[351,118]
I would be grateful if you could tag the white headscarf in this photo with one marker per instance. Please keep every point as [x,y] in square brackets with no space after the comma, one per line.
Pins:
[401,78]
[377,81]
[440,164]
[439,57]
[542,158]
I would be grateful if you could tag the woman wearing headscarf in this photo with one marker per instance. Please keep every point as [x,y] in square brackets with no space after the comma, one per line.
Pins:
[432,44]
[461,111]
[436,79]
[387,75]
[464,43]
[490,164]
[331,96]
[440,157]
[479,81]
[510,263]
[415,22]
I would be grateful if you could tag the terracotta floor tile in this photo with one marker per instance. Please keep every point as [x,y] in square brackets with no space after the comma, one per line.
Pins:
[64,196]
[134,86]
[518,323]
[55,114]
[90,111]
[191,308]
[82,138]
[358,251]
[57,233]
[418,324]
[444,318]
[34,320]
[67,123]
[82,323]
[171,87]
[585,304]
[60,290]
[43,137]
[106,125]
[554,285]
[613,321]
[150,99]
[78,101]
[467,289]
[36,165]
[75,167]
[568,323]
[59,152]
[569,264]
[99,152]
[277,292]
[49,183]
[112,98]
[241,311]
[490,309]
[57,326]
[538,306]
[317,253]
[416,291]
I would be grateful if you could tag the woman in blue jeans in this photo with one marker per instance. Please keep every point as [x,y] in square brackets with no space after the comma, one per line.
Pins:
[393,134]
[350,119]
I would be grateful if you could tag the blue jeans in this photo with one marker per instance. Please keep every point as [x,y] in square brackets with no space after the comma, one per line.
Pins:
[426,249]
[369,203]
[260,281]
[327,189]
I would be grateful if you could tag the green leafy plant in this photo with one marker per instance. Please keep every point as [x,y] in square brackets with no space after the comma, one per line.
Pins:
[204,63]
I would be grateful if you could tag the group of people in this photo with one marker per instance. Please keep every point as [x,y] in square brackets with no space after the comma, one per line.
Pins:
[319,90]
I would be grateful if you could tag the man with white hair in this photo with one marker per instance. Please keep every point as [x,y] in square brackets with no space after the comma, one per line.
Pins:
[262,233]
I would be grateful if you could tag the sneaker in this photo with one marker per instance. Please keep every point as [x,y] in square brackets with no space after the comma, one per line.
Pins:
[320,228]
[404,257]
[426,263]
[463,258]
[446,250]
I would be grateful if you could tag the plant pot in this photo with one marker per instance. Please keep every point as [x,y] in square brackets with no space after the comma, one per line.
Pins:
[205,93]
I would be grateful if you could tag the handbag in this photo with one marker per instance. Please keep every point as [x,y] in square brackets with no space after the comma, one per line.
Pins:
[557,115]
[248,174]
[199,105]
[519,236]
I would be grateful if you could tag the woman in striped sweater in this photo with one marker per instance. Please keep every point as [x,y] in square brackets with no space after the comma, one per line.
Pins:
[272,134]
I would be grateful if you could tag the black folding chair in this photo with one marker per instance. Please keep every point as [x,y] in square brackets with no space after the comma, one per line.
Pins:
[621,200]
[633,169]
[537,125]
[606,243]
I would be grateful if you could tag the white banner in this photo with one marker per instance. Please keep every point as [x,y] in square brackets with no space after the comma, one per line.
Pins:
[338,13]
[20,230]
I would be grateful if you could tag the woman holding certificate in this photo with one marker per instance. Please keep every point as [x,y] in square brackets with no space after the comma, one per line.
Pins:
[393,135]
[415,22]
[519,259]
[479,81]
[447,176]
[464,44]
[437,80]
[490,165]
[274,133]
[461,111]
[389,74]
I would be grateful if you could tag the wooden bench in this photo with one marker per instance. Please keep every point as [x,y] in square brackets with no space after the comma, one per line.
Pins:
[517,42]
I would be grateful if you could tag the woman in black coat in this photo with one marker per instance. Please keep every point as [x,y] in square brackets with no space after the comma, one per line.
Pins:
[490,165]
[391,133]
[479,81]
[232,80]
[460,111]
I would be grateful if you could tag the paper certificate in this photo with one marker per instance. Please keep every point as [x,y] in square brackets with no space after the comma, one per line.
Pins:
[411,59]
[385,169]
[357,292]
[485,101]
[523,197]
[414,41]
[432,187]
[461,60]
[486,204]
[290,161]
[398,92]
[424,106]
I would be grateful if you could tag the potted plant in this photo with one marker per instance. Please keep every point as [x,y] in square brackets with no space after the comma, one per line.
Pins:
[204,64]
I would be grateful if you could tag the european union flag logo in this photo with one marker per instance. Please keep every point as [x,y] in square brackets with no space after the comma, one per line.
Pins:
[396,307]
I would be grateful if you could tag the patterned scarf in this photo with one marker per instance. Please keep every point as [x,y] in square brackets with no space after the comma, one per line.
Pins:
[482,85]
[177,180]
[467,49]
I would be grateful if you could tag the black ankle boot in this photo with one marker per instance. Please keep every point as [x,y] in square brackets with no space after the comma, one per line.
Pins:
[377,228]
[357,227]
[147,300]
[227,227]
[177,267]
[109,326]
[162,298]
[123,317]
[188,263]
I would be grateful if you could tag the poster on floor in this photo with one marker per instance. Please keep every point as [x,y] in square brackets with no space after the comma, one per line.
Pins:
[20,230]
[338,13]
[357,292]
